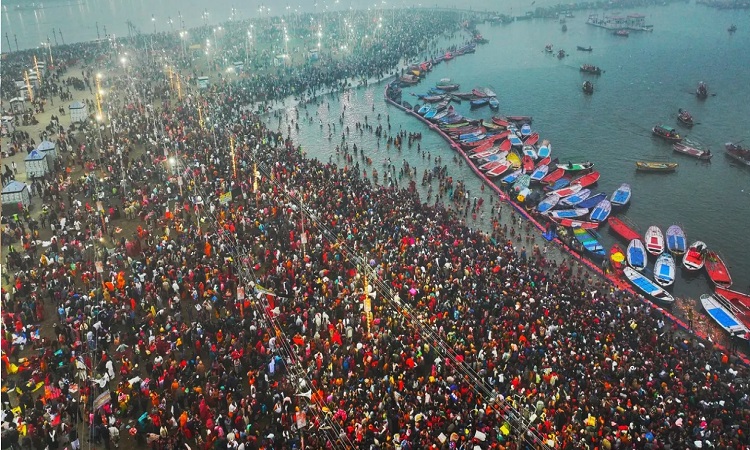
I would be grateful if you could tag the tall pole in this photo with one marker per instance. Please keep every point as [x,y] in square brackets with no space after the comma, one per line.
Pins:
[97,31]
[54,33]
[234,160]
[105,31]
[7,38]
[49,46]
[28,86]
[61,36]
[15,38]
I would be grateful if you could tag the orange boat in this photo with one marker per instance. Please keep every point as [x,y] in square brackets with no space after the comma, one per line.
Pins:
[623,229]
[717,270]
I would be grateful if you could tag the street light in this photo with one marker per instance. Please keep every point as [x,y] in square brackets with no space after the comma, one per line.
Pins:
[153,20]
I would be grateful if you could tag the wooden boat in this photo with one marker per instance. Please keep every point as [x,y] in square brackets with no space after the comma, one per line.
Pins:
[531,139]
[589,242]
[588,87]
[480,102]
[568,213]
[520,119]
[559,184]
[515,141]
[486,153]
[601,212]
[505,146]
[685,118]
[576,167]
[666,133]
[621,196]
[647,286]
[525,130]
[617,258]
[622,228]
[724,317]
[588,68]
[664,270]
[592,201]
[514,159]
[490,165]
[655,166]
[566,191]
[545,150]
[527,163]
[512,177]
[431,114]
[587,180]
[522,183]
[500,121]
[494,104]
[676,242]
[576,198]
[539,173]
[692,151]
[695,257]
[701,91]
[530,151]
[433,98]
[636,254]
[499,169]
[478,93]
[739,300]
[584,49]
[448,87]
[717,270]
[572,223]
[732,28]
[548,203]
[654,240]
[622,33]
[553,176]
[739,154]
[424,110]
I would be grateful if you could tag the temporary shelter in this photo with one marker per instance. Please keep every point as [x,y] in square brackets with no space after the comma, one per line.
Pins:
[79,112]
[37,164]
[16,192]
[48,148]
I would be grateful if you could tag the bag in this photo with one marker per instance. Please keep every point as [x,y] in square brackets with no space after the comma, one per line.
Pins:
[163,431]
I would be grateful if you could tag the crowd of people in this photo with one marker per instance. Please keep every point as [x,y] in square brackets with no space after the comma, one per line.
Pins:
[258,299]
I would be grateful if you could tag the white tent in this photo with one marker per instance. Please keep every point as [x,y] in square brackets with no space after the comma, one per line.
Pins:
[48,148]
[36,164]
[16,192]
[79,112]
[18,104]
[202,82]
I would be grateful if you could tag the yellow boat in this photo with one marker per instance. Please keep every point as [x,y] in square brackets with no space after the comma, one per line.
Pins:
[514,160]
[655,166]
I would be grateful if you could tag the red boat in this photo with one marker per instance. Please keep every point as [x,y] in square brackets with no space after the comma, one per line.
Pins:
[500,121]
[623,229]
[528,164]
[553,176]
[532,139]
[739,301]
[617,258]
[478,93]
[491,139]
[577,224]
[520,119]
[717,270]
[505,146]
[588,179]
[543,162]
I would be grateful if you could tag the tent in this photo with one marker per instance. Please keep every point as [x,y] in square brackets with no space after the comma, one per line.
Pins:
[280,60]
[18,105]
[202,82]
[8,125]
[313,54]
[48,148]
[79,112]
[16,192]
[36,164]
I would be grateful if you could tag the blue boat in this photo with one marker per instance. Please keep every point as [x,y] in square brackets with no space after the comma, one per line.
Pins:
[592,201]
[494,104]
[525,130]
[475,138]
[676,240]
[576,198]
[512,177]
[724,316]
[544,151]
[664,269]
[601,211]
[478,103]
[515,141]
[621,196]
[539,173]
[548,203]
[568,213]
[559,184]
[647,286]
[431,113]
[636,254]
[424,110]
[589,242]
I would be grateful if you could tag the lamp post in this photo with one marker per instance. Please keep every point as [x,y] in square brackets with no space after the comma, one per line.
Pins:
[247,44]
[153,21]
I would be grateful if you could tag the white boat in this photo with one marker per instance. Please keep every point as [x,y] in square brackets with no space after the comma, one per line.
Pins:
[724,316]
[530,151]
[636,254]
[545,150]
[664,270]
[654,240]
[647,286]
[548,203]
[568,213]
[576,198]
[695,257]
[539,173]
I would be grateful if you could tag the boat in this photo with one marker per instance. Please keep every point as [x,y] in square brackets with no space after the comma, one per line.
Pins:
[636,254]
[717,270]
[494,104]
[525,130]
[654,240]
[498,169]
[545,150]
[514,159]
[548,48]
[479,93]
[548,203]
[739,300]
[738,153]
[561,54]
[505,146]
[431,114]
[520,119]
[566,191]
[584,49]
[424,110]
[572,223]
[484,154]
[701,91]
[666,133]
[559,184]
[622,33]
[530,151]
[527,163]
[664,270]
[685,118]
[676,242]
[588,87]
[576,198]
[539,173]
[564,28]
[621,227]
[576,167]
[531,139]
[695,257]
[647,286]
[724,317]
[587,180]
[655,166]
[490,165]
[601,212]
[704,155]
[732,28]
[621,196]
[515,141]
[433,98]
[616,258]
[480,102]
[592,201]
[521,183]
[512,177]
[553,176]
[500,121]
[589,242]
[489,92]
[588,68]
[448,87]
[568,213]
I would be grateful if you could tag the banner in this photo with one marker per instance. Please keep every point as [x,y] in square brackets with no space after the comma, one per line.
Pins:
[101,400]
[225,198]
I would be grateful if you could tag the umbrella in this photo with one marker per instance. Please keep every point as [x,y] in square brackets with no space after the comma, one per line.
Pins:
[618,257]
